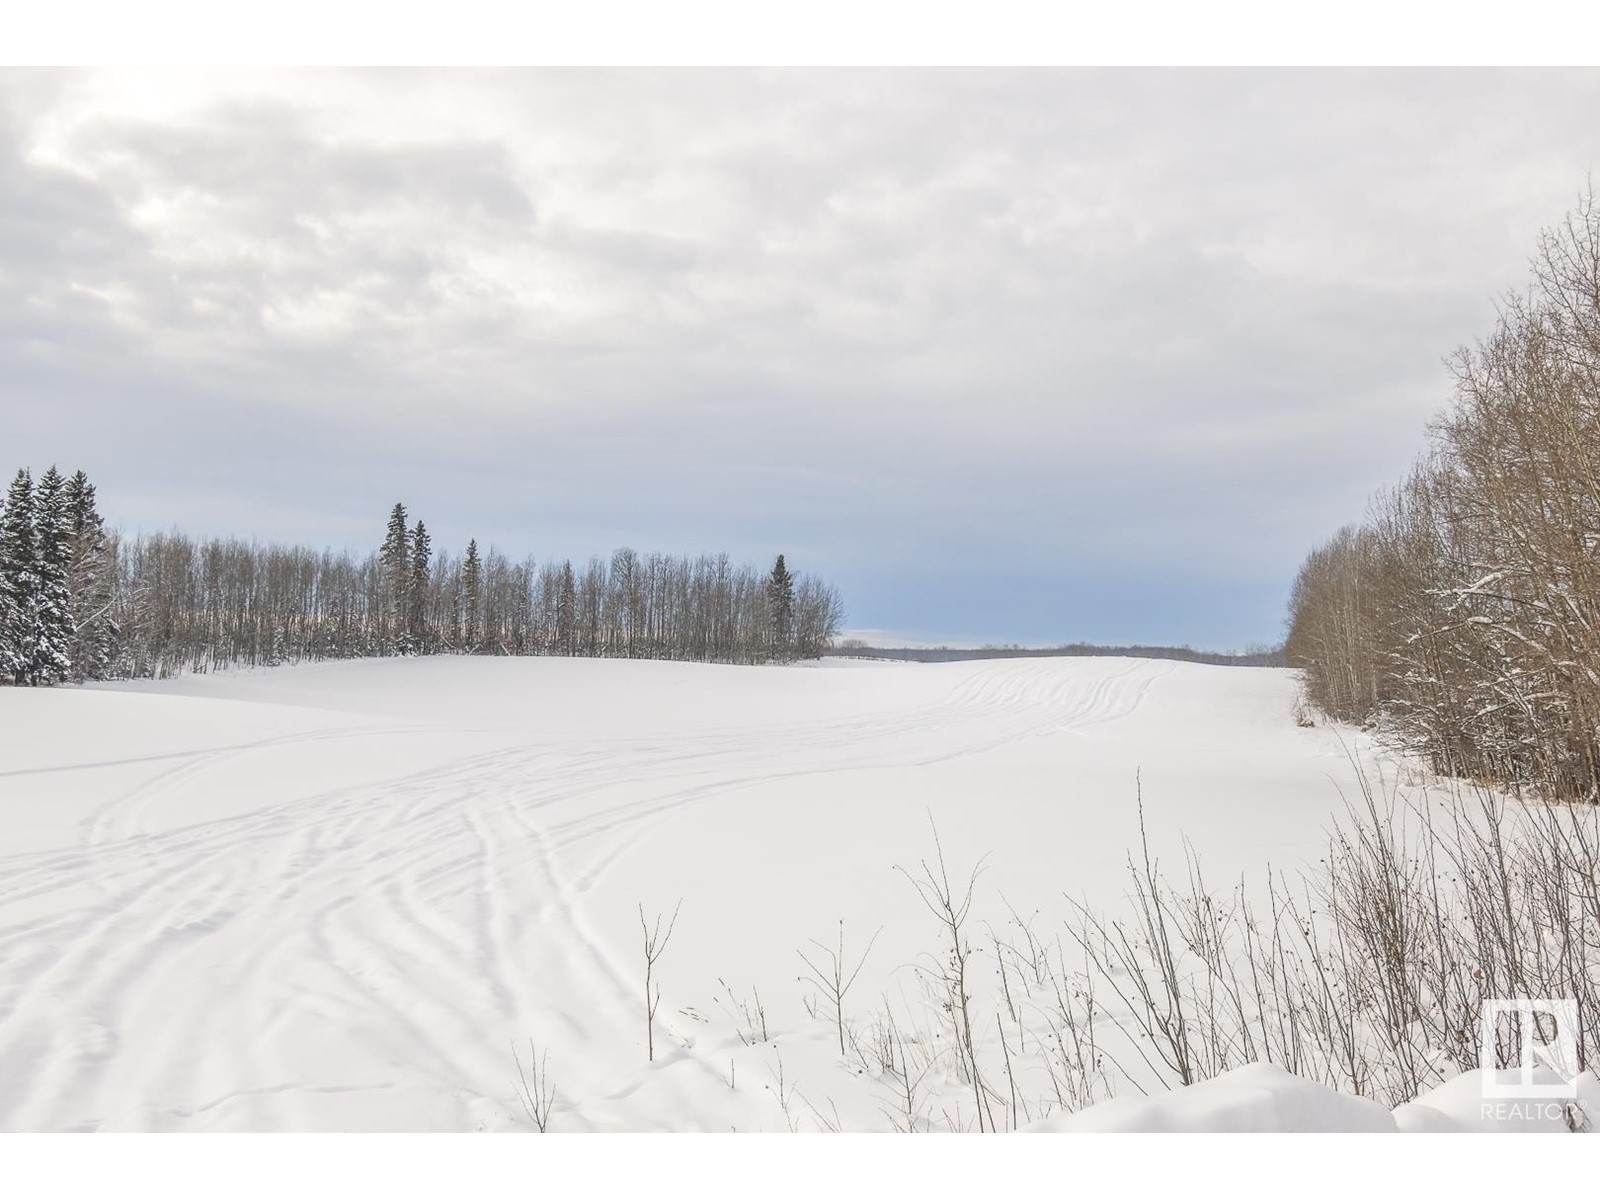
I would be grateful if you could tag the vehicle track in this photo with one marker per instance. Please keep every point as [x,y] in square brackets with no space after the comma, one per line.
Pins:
[186,977]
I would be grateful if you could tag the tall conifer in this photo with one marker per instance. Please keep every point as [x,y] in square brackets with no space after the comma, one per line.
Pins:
[780,609]
[395,558]
[89,583]
[52,646]
[472,599]
[19,580]
[421,553]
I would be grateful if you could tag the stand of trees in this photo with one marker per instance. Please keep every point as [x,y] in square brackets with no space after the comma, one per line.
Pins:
[79,603]
[1463,615]
[55,582]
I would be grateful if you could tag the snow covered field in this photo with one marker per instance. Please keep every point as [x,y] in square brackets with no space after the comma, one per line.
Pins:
[333,897]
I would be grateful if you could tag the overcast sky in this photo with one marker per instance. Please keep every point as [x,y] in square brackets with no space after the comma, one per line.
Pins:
[1025,355]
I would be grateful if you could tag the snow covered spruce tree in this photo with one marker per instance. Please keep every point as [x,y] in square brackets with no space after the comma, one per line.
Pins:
[52,646]
[395,559]
[8,605]
[11,594]
[89,583]
[19,581]
[780,610]
[471,600]
[421,576]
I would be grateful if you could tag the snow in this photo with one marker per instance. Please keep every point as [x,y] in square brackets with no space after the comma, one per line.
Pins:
[335,896]
[1259,1098]
[1263,1098]
[1458,1106]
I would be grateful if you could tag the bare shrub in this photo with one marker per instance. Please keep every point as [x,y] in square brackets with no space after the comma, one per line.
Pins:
[952,970]
[836,979]
[534,1088]
[749,1017]
[1369,975]
[1366,972]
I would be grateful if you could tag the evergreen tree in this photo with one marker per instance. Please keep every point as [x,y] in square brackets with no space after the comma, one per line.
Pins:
[421,547]
[9,615]
[395,558]
[19,581]
[52,647]
[278,654]
[89,583]
[472,598]
[780,608]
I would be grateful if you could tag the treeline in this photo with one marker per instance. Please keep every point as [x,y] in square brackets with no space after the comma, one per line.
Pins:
[77,602]
[1463,615]
[856,648]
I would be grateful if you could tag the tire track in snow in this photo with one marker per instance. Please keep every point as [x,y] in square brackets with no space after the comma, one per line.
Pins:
[400,915]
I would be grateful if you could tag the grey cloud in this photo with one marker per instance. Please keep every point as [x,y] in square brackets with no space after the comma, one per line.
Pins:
[903,318]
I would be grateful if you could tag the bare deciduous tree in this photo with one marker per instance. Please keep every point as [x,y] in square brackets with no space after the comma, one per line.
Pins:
[655,945]
[1462,617]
